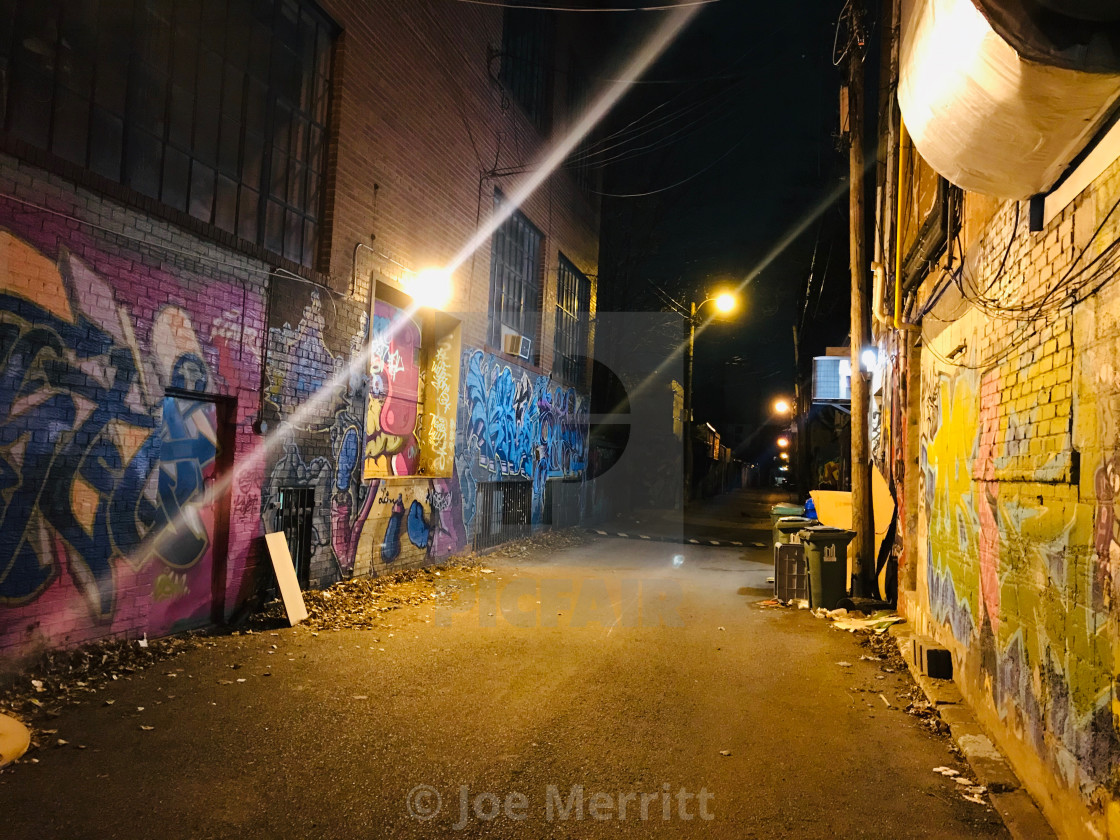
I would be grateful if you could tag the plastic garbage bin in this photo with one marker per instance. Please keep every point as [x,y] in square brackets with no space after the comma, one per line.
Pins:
[791,581]
[780,510]
[826,550]
[787,527]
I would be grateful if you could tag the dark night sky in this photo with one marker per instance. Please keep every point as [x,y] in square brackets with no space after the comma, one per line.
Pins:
[743,108]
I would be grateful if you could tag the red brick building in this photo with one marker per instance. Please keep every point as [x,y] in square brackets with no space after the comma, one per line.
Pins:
[212,216]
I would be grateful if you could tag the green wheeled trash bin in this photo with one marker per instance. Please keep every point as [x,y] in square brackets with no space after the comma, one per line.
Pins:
[826,550]
[788,527]
[780,510]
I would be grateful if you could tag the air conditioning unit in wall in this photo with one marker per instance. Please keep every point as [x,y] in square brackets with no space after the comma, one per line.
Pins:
[515,344]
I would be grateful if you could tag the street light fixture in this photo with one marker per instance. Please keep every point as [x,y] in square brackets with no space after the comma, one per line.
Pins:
[724,302]
[782,406]
[783,442]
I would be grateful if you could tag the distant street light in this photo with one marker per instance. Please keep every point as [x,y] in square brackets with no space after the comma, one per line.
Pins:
[785,407]
[725,302]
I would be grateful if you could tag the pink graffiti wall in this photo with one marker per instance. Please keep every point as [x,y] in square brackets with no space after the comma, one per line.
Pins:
[128,377]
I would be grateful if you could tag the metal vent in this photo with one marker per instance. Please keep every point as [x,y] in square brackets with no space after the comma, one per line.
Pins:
[504,512]
[294,518]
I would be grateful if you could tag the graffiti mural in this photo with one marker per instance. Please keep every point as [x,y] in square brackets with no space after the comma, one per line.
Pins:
[338,416]
[318,398]
[393,414]
[517,426]
[431,519]
[102,476]
[1016,571]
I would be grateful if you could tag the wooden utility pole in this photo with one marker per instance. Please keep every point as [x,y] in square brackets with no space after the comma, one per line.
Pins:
[687,425]
[862,522]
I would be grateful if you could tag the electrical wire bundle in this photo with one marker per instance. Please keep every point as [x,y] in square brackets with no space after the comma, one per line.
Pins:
[1080,281]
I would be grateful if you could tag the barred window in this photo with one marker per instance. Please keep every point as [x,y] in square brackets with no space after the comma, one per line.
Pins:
[217,108]
[573,312]
[515,285]
[526,57]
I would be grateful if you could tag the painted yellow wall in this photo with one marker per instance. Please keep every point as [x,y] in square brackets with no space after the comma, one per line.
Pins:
[1019,476]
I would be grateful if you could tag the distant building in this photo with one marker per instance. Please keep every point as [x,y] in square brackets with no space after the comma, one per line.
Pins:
[208,213]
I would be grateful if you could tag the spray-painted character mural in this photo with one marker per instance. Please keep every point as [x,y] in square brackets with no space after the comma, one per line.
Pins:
[343,412]
[396,384]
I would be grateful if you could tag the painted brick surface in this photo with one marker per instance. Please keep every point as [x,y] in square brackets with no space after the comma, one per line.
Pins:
[1019,431]
[104,312]
[116,310]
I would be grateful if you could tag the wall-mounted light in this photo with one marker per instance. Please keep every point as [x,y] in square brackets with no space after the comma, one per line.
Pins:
[429,287]
[869,358]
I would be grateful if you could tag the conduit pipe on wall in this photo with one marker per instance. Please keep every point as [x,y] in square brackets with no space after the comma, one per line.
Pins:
[898,229]
[984,117]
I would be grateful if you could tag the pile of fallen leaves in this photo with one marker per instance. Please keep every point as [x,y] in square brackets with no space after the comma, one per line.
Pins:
[361,603]
[926,713]
[883,645]
[64,677]
[554,540]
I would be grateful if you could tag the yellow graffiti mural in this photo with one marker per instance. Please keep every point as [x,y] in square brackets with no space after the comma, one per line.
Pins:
[1040,648]
[952,524]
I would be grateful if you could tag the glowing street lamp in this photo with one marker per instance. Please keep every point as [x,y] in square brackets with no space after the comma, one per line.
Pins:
[782,406]
[784,456]
[783,442]
[725,302]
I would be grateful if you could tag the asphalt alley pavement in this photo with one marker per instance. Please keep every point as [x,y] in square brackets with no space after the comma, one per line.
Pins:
[646,695]
[740,518]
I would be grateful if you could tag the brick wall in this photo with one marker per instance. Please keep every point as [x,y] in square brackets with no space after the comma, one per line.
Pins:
[1019,421]
[425,136]
[138,299]
[105,310]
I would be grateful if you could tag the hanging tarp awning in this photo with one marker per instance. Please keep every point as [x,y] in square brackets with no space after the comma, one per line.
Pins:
[984,115]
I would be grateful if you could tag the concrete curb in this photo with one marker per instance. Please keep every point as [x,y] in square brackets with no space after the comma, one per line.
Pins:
[1015,806]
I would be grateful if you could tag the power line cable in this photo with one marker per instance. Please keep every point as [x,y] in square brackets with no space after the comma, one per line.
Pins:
[679,183]
[663,7]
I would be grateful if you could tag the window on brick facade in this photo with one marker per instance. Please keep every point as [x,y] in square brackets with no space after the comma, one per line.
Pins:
[217,108]
[515,285]
[573,315]
[527,38]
